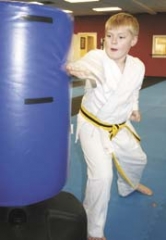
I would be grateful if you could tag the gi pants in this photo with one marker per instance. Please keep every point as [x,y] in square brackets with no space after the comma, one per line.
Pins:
[97,149]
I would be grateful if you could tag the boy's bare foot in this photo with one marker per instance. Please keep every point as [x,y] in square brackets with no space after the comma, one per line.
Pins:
[144,190]
[93,238]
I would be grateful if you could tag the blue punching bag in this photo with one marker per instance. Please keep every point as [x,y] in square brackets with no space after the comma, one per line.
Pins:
[34,102]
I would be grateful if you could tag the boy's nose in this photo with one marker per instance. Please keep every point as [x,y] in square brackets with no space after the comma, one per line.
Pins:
[114,40]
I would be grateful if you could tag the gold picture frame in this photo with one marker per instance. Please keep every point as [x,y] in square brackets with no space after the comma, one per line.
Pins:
[159,46]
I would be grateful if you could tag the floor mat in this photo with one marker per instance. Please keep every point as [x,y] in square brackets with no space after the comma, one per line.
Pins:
[136,217]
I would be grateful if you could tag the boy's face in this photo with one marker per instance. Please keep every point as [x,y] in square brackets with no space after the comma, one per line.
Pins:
[118,42]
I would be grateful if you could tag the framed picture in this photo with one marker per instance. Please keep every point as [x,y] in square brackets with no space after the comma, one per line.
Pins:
[82,42]
[159,46]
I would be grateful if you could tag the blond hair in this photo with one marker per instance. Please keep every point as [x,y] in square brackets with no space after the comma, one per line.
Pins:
[123,19]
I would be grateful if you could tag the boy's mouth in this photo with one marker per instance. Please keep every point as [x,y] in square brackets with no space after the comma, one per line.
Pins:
[114,49]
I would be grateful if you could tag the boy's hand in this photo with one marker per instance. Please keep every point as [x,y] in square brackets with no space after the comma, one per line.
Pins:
[135,116]
[77,71]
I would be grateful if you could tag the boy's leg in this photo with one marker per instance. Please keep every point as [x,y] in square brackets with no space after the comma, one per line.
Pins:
[99,172]
[133,160]
[96,206]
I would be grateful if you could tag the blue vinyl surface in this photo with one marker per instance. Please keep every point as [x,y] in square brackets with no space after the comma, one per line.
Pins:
[34,102]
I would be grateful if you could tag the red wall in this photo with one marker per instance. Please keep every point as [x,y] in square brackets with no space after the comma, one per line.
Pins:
[149,25]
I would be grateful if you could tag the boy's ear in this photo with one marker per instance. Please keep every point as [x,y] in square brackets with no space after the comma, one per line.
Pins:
[134,41]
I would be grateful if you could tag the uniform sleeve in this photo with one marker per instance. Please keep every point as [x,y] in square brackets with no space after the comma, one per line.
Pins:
[140,80]
[91,63]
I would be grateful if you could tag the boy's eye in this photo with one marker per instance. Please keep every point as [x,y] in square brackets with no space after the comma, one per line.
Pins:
[121,37]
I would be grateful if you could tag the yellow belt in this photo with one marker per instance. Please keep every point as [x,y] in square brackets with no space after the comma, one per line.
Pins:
[113,129]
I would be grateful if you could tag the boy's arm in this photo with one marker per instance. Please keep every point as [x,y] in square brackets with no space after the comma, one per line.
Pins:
[87,67]
[136,115]
[77,71]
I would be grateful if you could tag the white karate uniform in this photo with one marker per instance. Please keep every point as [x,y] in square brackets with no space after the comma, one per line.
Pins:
[111,96]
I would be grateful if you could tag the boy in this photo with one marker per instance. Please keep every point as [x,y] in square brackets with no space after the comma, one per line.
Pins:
[113,80]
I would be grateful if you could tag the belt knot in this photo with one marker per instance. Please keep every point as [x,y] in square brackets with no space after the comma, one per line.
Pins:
[114,130]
